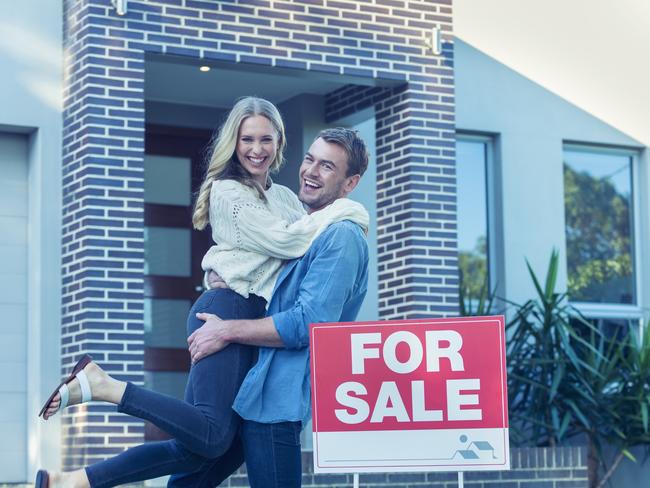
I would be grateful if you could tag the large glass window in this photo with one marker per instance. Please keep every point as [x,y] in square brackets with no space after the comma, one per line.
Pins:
[472,153]
[599,211]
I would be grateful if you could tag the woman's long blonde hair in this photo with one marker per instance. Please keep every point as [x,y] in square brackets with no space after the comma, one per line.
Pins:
[223,160]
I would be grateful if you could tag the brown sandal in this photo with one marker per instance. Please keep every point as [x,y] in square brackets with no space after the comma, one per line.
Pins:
[77,372]
[42,479]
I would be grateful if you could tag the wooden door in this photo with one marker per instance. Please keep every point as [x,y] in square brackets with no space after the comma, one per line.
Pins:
[174,168]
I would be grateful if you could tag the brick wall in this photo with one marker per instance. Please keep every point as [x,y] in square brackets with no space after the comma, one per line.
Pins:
[561,467]
[103,260]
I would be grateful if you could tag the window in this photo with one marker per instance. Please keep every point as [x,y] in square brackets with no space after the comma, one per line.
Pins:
[611,328]
[601,233]
[473,155]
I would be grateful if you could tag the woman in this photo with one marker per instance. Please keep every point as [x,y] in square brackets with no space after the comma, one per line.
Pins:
[256,224]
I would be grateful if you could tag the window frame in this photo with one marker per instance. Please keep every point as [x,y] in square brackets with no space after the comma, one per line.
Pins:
[600,310]
[492,202]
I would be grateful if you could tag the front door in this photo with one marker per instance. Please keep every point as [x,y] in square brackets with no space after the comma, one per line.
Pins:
[174,168]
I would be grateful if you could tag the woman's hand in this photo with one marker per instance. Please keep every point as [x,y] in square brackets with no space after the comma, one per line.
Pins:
[215,281]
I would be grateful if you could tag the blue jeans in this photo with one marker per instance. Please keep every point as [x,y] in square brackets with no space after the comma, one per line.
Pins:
[272,454]
[204,426]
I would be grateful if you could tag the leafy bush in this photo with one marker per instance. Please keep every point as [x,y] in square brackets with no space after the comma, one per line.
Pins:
[567,378]
[548,352]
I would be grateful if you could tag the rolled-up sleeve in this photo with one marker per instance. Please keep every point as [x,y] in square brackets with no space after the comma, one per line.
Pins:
[338,255]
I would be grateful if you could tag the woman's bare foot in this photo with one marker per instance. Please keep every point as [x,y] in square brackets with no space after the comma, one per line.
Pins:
[102,388]
[71,479]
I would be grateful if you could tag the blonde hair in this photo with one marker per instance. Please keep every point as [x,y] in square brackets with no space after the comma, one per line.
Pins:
[223,163]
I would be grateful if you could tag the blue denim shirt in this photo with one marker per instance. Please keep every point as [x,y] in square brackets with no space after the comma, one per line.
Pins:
[328,284]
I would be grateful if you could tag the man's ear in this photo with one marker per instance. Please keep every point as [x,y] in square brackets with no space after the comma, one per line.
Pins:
[351,183]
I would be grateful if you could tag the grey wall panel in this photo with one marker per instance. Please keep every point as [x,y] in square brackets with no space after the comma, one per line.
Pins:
[13,305]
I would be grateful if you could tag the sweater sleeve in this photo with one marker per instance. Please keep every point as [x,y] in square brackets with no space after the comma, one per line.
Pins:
[241,220]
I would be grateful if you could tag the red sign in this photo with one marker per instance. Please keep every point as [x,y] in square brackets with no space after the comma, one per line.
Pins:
[378,384]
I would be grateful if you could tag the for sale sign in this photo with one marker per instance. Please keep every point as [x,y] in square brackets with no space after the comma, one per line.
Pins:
[414,395]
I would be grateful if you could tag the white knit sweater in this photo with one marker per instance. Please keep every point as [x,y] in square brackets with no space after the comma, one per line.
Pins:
[254,237]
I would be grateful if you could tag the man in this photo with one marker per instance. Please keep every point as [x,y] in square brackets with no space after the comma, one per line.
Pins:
[328,284]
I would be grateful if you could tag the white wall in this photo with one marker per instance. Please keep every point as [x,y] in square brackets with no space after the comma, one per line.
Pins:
[30,103]
[529,124]
[13,305]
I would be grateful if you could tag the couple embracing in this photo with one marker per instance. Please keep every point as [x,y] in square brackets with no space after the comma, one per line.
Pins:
[279,263]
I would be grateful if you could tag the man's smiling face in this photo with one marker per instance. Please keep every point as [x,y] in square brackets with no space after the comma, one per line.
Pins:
[323,175]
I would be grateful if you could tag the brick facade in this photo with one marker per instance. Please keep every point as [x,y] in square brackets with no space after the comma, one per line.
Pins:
[561,467]
[104,113]
[103,238]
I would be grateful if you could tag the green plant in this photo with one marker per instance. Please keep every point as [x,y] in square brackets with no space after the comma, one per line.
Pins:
[626,400]
[605,378]
[566,378]
[549,396]
[471,305]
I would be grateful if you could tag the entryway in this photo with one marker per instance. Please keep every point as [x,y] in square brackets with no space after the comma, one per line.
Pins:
[184,106]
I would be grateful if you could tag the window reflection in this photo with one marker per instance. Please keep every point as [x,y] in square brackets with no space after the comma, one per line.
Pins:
[471,174]
[599,230]
[612,329]
[167,251]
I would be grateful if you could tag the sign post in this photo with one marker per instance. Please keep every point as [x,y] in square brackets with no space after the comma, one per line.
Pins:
[411,395]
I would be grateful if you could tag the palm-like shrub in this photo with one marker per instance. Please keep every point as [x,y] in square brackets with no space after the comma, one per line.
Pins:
[625,397]
[567,378]
[549,348]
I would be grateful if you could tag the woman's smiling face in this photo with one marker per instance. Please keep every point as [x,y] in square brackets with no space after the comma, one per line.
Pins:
[257,145]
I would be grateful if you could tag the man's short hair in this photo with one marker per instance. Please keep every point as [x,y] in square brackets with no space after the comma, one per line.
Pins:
[353,145]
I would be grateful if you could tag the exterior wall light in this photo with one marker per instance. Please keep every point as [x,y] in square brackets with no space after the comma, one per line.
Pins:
[121,6]
[204,68]
[434,41]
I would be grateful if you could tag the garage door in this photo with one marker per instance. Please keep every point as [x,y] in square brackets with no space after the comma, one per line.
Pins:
[13,308]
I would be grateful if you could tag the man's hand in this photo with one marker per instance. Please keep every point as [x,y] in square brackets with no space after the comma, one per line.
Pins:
[215,281]
[209,338]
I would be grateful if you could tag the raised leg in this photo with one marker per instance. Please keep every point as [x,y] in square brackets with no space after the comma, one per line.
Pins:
[213,473]
[202,431]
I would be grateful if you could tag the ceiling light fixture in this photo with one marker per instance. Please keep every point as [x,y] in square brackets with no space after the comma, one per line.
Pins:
[204,68]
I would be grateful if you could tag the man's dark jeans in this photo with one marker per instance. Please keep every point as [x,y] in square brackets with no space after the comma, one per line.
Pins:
[272,453]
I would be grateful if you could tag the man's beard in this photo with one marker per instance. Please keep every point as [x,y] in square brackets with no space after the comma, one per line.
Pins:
[323,199]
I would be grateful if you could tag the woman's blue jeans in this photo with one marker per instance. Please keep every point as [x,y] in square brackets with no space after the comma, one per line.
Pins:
[204,426]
